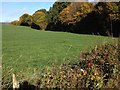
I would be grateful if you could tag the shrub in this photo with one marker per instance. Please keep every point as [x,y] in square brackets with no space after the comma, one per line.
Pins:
[97,69]
[16,22]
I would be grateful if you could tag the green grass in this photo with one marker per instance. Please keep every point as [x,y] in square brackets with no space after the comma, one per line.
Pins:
[25,49]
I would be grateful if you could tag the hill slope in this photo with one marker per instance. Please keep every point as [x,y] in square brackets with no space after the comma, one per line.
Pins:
[25,49]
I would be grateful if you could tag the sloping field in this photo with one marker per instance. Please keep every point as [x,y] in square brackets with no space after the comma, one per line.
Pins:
[26,50]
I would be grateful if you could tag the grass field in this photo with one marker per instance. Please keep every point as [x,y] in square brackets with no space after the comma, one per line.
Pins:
[25,49]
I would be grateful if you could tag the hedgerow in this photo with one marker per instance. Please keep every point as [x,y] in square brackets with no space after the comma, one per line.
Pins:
[98,68]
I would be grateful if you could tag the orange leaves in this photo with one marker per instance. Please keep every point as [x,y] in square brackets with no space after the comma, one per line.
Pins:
[75,10]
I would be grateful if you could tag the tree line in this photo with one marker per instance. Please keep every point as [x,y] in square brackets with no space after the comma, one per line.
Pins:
[101,18]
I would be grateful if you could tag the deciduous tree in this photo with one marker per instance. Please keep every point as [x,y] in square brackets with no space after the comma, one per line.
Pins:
[15,22]
[25,20]
[75,12]
[108,13]
[40,19]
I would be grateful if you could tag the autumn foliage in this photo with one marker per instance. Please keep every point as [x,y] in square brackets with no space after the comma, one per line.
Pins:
[25,20]
[15,22]
[98,68]
[100,18]
[108,17]
[39,18]
[75,12]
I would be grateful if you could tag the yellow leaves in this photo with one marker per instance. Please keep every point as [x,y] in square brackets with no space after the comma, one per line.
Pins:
[85,72]
[107,7]
[75,10]
[40,12]
[98,78]
[78,13]
[114,16]
[16,22]
[93,77]
[66,10]
[39,18]
[99,84]
[96,75]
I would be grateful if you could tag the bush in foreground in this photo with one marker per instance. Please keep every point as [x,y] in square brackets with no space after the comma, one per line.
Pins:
[97,69]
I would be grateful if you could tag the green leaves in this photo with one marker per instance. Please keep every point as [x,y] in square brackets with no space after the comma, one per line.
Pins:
[55,10]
